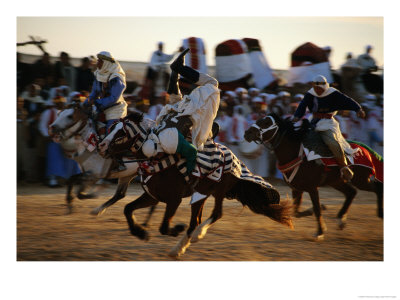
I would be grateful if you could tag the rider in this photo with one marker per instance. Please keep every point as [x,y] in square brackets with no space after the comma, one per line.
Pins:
[324,102]
[200,105]
[107,90]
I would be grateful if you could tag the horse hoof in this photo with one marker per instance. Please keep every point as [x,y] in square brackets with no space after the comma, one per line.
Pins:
[69,210]
[180,247]
[323,207]
[341,224]
[98,211]
[306,213]
[319,237]
[179,228]
[86,196]
[141,234]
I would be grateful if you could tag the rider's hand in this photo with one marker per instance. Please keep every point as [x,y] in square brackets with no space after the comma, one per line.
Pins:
[103,146]
[361,114]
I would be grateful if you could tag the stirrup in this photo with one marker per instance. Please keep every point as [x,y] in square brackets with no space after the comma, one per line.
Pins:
[346,173]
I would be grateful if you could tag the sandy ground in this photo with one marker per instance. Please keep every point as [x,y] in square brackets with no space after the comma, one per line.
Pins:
[46,233]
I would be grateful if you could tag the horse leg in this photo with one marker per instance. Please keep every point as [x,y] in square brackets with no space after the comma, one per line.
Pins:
[149,214]
[297,196]
[216,214]
[297,200]
[366,184]
[170,211]
[195,220]
[70,196]
[87,179]
[120,193]
[350,192]
[136,229]
[314,195]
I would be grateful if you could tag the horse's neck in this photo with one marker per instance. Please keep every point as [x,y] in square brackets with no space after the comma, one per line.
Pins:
[287,150]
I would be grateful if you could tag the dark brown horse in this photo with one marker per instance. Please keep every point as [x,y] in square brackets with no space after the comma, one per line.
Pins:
[285,141]
[169,186]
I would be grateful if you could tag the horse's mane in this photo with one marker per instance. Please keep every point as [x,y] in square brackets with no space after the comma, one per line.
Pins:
[135,117]
[287,124]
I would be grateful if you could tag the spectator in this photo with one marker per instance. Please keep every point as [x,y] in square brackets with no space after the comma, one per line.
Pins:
[24,73]
[57,165]
[159,58]
[64,70]
[43,68]
[243,101]
[276,106]
[84,75]
[366,61]
[22,149]
[159,103]
[33,105]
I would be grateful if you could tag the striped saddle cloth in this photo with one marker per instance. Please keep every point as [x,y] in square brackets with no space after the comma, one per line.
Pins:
[212,162]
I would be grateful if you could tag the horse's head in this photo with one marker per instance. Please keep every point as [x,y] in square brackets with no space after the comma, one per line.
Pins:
[68,122]
[264,130]
[267,130]
[128,134]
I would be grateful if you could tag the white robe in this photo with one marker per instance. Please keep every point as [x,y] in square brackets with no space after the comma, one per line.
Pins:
[201,105]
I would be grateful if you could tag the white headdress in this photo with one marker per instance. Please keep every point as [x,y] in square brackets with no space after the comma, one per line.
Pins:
[110,69]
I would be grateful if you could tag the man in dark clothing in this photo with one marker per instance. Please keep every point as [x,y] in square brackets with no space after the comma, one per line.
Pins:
[85,76]
[43,68]
[324,102]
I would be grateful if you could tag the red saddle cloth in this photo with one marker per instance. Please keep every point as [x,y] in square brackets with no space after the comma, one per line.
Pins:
[361,158]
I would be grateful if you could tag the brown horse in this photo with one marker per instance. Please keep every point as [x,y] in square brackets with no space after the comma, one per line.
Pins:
[306,176]
[169,186]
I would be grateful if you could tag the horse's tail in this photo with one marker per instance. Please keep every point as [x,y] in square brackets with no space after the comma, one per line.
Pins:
[262,200]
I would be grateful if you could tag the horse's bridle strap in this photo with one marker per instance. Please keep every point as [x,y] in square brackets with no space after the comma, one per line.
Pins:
[261,131]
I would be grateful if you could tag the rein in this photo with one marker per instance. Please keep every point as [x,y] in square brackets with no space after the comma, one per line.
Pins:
[75,132]
[272,145]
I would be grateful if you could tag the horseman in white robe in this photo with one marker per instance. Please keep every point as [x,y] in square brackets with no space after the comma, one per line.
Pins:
[201,105]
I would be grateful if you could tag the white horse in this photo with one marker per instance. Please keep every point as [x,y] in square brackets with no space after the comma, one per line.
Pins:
[77,134]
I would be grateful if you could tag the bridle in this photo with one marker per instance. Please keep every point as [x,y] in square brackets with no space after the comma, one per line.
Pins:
[130,135]
[72,130]
[262,131]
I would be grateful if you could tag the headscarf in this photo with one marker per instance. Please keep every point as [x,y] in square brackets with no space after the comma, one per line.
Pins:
[110,69]
[322,83]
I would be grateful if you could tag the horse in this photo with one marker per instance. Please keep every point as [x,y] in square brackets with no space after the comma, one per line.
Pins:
[169,185]
[76,132]
[306,176]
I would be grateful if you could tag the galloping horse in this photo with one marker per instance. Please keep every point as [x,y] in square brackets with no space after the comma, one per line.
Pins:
[169,186]
[74,123]
[302,175]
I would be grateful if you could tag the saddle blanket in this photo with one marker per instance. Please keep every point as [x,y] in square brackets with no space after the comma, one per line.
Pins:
[213,161]
[361,158]
[216,159]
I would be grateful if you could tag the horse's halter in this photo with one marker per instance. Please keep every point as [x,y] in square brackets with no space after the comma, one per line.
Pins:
[129,135]
[261,131]
[72,130]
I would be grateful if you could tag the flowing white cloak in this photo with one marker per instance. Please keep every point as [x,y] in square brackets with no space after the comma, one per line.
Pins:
[201,105]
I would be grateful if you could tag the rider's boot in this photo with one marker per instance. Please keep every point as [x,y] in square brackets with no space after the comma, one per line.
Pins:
[188,151]
[187,72]
[346,173]
[173,86]
[215,129]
